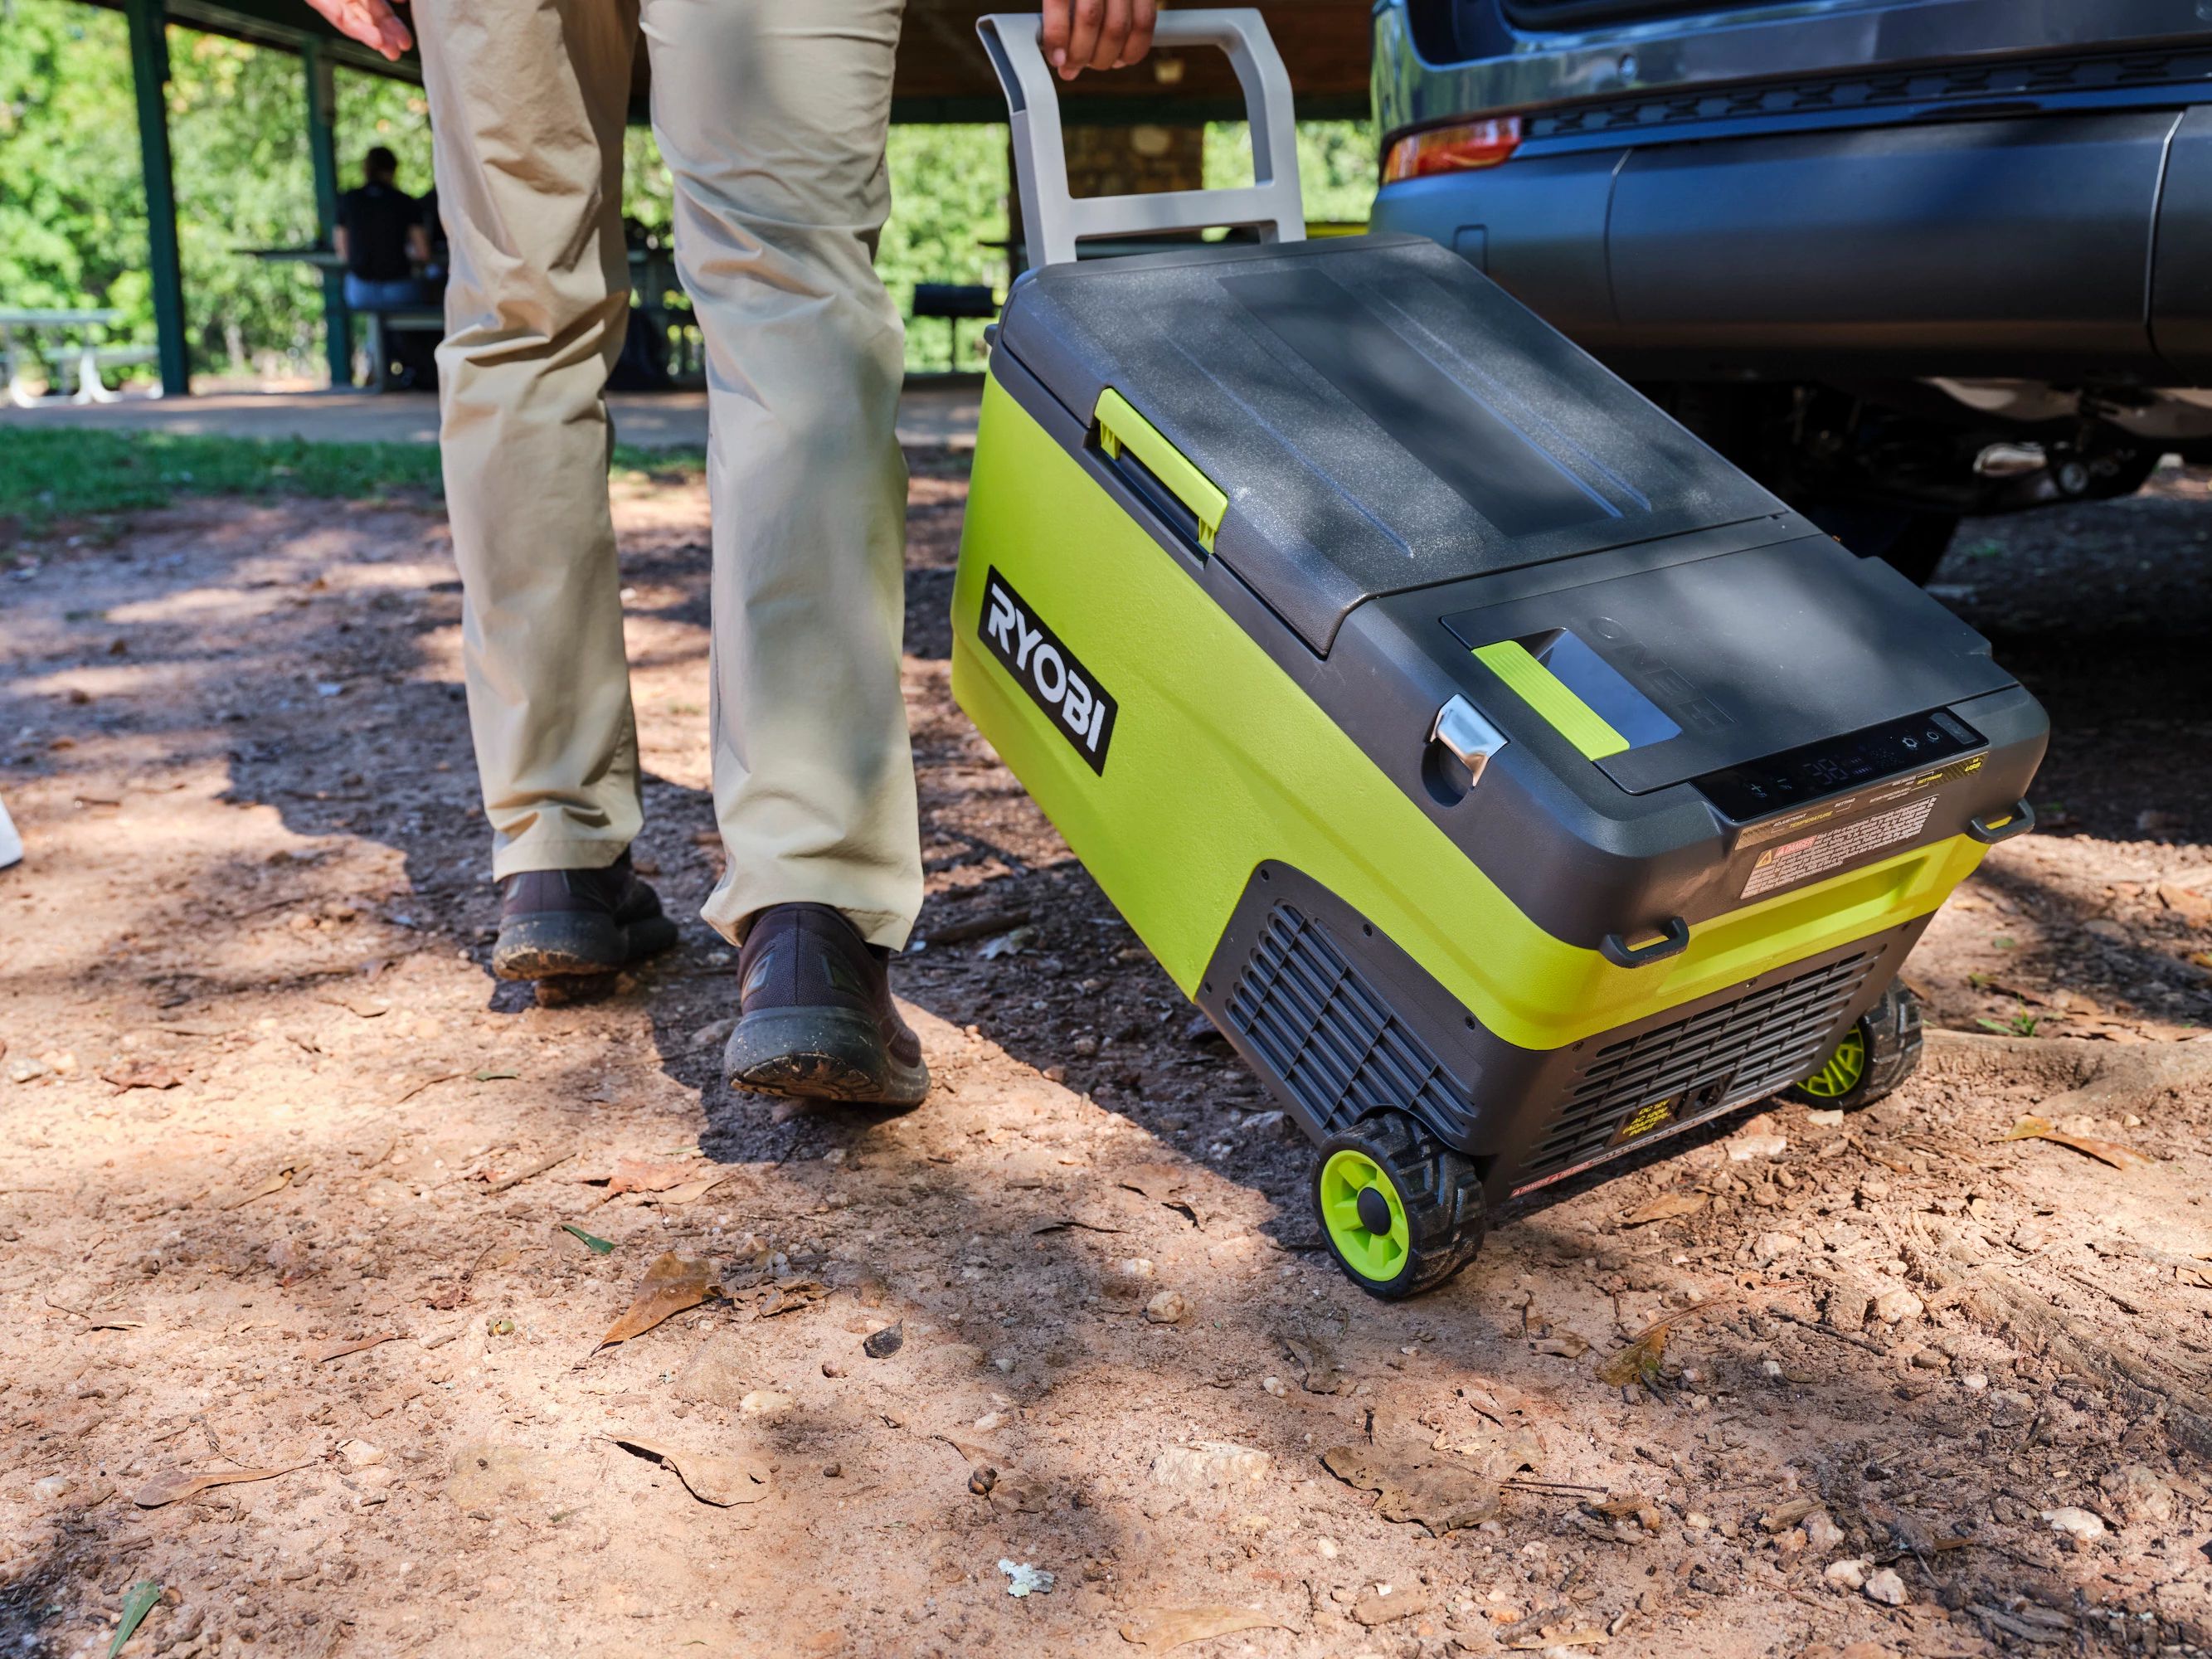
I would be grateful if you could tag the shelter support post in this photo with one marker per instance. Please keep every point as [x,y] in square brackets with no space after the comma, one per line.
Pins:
[322,152]
[149,79]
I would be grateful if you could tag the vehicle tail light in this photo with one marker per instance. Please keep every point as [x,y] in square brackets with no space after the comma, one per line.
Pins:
[1460,148]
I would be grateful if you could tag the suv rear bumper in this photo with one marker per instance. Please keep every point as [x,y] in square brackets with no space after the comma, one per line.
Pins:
[2072,247]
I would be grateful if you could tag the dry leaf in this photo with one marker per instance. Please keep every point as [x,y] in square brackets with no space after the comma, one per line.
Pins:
[1638,1362]
[339,1350]
[2104,1151]
[1162,1628]
[141,1074]
[690,1191]
[177,1484]
[1563,1343]
[1157,1182]
[1552,1637]
[789,1296]
[1441,1496]
[637,1175]
[711,1477]
[1667,1207]
[274,1183]
[671,1284]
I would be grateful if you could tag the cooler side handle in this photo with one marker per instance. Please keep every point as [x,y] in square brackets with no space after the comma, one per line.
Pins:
[1056,221]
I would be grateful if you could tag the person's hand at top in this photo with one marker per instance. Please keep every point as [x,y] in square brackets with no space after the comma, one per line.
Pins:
[375,24]
[1081,34]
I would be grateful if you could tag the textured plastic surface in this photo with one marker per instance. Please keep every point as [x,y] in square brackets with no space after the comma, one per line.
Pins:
[1755,653]
[1380,415]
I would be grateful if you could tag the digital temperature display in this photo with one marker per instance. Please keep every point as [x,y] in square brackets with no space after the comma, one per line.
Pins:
[1798,776]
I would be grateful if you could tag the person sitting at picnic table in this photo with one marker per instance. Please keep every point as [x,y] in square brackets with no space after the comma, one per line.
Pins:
[381,238]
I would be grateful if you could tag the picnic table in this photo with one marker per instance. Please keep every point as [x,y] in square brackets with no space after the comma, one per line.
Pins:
[49,331]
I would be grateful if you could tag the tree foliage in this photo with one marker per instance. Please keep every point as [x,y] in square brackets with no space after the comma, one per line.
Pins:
[73,211]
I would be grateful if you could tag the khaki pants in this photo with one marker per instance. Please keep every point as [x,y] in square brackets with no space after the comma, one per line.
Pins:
[771,118]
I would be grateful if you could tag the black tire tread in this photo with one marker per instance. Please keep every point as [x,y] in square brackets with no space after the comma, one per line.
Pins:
[1894,1043]
[1442,1192]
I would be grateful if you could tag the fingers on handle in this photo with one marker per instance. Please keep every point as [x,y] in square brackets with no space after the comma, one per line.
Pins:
[1142,14]
[1113,34]
[1053,37]
[1083,38]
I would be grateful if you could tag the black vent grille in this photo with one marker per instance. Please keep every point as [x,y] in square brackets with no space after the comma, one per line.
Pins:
[1336,1045]
[1763,1041]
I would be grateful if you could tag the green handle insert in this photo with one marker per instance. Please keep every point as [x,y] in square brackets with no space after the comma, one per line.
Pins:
[1120,428]
[1548,694]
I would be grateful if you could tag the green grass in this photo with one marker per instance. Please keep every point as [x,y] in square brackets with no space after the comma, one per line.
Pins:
[73,473]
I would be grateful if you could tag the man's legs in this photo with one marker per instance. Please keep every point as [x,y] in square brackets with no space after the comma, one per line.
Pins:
[527,100]
[772,117]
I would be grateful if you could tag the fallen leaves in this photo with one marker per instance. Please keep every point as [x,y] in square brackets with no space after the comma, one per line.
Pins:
[2104,1151]
[140,1075]
[671,1284]
[1639,1362]
[1667,1207]
[178,1484]
[716,1478]
[1162,1628]
[1440,1495]
[137,1604]
[276,1181]
[591,1241]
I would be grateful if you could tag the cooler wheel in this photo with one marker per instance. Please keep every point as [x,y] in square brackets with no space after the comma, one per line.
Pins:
[1401,1211]
[1881,1050]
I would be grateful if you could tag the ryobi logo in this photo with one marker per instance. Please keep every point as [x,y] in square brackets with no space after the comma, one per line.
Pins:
[1077,704]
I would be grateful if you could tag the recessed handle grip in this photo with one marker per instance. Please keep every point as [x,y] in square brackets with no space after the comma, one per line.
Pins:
[2017,822]
[1057,221]
[1674,939]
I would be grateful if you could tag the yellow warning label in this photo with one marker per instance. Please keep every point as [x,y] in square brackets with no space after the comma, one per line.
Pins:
[1646,1119]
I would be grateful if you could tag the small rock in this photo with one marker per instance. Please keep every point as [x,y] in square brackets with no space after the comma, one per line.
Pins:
[981,1478]
[1385,1604]
[1167,1308]
[1822,1534]
[1131,1276]
[713,1034]
[1267,1123]
[1023,1579]
[360,1453]
[1200,1029]
[765,1403]
[1771,1245]
[1212,1463]
[1897,1304]
[1770,1368]
[1830,1118]
[1850,1574]
[51,1486]
[2140,1494]
[2076,1523]
[1887,1588]
[831,1471]
[1274,1385]
[1327,1547]
[1932,1359]
[882,1344]
[1760,1138]
[1845,1306]
[1974,1381]
[831,1368]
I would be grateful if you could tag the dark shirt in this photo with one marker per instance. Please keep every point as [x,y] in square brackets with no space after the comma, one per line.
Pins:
[376,219]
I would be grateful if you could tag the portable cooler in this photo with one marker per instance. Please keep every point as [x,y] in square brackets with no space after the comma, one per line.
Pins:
[1512,780]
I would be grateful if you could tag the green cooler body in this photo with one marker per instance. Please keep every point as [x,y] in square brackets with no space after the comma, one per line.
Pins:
[1511,781]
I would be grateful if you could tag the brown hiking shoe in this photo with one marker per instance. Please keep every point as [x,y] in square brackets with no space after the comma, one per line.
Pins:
[553,922]
[816,1017]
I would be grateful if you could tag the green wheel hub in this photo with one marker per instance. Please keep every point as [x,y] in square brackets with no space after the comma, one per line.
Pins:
[1844,1069]
[1355,1193]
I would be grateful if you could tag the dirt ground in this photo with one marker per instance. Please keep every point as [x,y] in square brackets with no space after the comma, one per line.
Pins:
[289,1186]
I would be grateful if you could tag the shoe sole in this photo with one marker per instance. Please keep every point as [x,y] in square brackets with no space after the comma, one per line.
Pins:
[569,944]
[820,1053]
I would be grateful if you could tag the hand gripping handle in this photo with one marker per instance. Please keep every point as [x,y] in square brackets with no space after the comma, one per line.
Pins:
[1056,221]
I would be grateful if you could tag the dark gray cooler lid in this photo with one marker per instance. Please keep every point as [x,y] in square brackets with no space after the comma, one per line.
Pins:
[1380,415]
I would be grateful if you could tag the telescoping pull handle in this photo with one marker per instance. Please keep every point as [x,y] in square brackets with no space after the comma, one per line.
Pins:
[1057,221]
